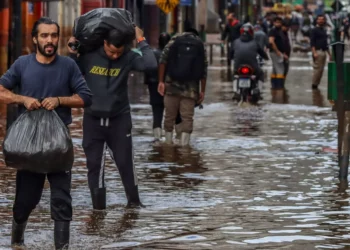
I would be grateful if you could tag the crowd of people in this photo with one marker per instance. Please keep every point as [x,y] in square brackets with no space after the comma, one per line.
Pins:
[279,35]
[98,82]
[175,73]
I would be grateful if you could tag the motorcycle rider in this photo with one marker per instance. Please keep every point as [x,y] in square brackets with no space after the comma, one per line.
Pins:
[246,49]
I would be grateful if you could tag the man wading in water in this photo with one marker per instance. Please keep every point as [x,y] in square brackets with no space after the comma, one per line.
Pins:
[58,80]
[107,123]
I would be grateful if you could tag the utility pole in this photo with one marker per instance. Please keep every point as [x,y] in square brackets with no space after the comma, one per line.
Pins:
[343,111]
[16,51]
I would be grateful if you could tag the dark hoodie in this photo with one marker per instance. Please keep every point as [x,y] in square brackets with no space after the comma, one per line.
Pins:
[246,49]
[232,31]
[108,79]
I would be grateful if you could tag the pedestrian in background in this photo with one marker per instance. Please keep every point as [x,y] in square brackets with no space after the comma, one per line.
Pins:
[278,54]
[183,65]
[320,49]
[156,100]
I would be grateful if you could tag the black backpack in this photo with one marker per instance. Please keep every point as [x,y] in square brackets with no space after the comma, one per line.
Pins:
[186,59]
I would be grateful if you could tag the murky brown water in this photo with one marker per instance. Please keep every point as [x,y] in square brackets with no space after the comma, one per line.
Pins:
[255,178]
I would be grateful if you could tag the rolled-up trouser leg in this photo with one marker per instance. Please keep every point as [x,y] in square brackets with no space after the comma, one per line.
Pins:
[277,75]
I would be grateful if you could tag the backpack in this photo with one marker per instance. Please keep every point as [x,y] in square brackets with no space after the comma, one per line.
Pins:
[186,59]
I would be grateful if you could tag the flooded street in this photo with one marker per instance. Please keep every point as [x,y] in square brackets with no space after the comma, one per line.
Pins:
[254,178]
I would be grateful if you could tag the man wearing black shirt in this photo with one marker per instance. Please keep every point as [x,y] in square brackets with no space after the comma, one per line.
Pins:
[319,46]
[278,54]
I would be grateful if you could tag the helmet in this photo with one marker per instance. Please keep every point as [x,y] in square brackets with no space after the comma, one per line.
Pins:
[247,30]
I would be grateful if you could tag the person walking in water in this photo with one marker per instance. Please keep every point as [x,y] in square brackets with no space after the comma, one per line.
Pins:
[156,100]
[58,80]
[319,46]
[107,123]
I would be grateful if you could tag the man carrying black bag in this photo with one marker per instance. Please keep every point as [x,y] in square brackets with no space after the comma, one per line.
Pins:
[107,123]
[58,81]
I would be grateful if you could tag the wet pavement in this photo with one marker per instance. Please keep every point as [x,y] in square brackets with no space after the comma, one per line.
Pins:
[254,178]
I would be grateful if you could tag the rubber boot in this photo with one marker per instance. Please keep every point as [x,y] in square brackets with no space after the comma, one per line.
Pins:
[132,194]
[185,139]
[157,132]
[169,137]
[61,235]
[178,131]
[17,235]
[98,196]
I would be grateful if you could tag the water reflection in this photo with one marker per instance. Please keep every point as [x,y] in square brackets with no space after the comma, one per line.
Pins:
[183,166]
[280,96]
[317,98]
[109,223]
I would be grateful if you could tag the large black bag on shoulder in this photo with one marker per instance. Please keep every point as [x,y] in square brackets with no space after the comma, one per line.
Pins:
[92,28]
[38,141]
[186,59]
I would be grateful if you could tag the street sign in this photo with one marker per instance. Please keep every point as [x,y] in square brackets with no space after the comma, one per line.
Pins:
[167,5]
[337,5]
[186,2]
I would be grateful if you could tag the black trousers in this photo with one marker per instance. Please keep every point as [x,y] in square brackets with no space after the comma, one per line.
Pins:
[113,135]
[29,188]
[158,113]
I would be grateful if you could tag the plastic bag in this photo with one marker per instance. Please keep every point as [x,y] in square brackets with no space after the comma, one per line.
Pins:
[91,29]
[38,141]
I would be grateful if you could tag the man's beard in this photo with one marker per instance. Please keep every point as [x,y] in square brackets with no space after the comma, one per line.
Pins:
[47,54]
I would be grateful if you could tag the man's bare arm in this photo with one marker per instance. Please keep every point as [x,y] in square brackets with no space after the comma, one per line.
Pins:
[8,97]
[74,101]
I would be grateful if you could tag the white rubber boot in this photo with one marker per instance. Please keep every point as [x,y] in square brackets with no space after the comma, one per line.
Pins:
[185,139]
[169,137]
[157,132]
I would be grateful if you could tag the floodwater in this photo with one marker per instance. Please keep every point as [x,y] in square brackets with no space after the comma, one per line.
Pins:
[254,178]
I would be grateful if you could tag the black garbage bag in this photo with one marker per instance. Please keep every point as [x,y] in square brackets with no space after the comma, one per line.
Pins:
[40,142]
[91,29]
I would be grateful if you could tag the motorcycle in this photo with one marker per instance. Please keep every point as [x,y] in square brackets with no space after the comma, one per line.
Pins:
[246,86]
